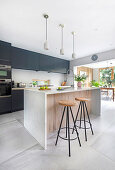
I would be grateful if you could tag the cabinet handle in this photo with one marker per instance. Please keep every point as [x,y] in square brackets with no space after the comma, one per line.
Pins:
[5,96]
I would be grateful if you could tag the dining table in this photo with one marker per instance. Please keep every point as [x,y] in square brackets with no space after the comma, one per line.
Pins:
[109,89]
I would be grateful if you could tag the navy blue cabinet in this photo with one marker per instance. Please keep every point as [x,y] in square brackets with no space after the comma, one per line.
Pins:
[17,100]
[24,59]
[53,64]
[28,60]
[5,51]
[5,104]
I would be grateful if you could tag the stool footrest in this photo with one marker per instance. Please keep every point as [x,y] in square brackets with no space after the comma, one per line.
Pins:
[67,138]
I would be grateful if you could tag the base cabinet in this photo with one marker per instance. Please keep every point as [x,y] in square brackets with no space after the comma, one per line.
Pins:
[17,100]
[5,104]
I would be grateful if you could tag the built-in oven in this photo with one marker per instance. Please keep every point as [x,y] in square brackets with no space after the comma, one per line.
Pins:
[5,87]
[5,96]
[5,72]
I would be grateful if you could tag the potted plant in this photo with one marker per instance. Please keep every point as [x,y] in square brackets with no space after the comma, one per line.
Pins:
[79,79]
[94,83]
[34,83]
[84,77]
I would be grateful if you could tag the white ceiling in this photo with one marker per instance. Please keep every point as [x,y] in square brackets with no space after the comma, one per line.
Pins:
[103,64]
[22,24]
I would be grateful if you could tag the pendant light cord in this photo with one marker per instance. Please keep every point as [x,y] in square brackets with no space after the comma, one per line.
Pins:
[46,29]
[62,38]
[73,43]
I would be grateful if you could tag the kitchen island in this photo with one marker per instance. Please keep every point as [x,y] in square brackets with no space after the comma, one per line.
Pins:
[42,113]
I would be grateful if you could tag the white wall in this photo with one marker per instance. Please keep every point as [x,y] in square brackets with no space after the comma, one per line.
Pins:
[26,76]
[96,74]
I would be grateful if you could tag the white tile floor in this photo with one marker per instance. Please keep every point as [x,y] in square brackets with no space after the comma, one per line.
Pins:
[20,151]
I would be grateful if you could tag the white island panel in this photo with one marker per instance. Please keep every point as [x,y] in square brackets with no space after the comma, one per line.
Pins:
[35,115]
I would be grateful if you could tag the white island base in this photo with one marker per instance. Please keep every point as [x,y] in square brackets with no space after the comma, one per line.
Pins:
[42,113]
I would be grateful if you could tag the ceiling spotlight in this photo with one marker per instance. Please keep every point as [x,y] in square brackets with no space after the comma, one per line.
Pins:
[73,54]
[62,49]
[46,41]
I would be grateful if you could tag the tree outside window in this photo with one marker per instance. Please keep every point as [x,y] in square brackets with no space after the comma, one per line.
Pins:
[107,77]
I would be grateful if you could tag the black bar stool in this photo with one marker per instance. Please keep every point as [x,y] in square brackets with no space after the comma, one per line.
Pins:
[84,113]
[67,106]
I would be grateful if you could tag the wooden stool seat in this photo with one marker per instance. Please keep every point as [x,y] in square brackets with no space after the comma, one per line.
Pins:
[67,103]
[82,99]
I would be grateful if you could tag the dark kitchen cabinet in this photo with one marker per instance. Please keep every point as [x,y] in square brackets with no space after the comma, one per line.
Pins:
[5,51]
[28,60]
[17,100]
[5,104]
[53,64]
[24,59]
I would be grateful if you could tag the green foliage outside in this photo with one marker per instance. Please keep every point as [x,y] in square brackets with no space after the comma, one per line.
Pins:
[105,77]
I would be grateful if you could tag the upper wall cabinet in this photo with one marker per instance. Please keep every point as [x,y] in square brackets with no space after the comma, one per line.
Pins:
[24,59]
[5,51]
[28,60]
[53,64]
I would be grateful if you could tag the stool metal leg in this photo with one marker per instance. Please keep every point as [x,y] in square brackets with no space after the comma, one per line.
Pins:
[75,127]
[80,116]
[60,125]
[66,125]
[68,131]
[76,116]
[89,119]
[84,121]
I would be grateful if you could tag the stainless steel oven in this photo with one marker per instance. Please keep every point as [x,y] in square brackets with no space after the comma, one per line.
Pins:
[5,72]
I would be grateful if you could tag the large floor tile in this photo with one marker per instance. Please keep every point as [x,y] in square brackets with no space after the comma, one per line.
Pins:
[21,121]
[9,127]
[56,159]
[18,115]
[95,154]
[105,144]
[5,118]
[13,140]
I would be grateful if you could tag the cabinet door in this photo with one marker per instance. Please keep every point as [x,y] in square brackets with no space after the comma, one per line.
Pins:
[60,66]
[46,63]
[5,51]
[5,105]
[17,100]
[53,64]
[24,59]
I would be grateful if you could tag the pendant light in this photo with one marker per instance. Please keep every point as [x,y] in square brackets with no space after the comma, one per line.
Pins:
[46,41]
[61,50]
[73,54]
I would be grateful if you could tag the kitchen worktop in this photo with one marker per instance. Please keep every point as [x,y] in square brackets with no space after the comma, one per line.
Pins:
[66,90]
[23,88]
[36,88]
